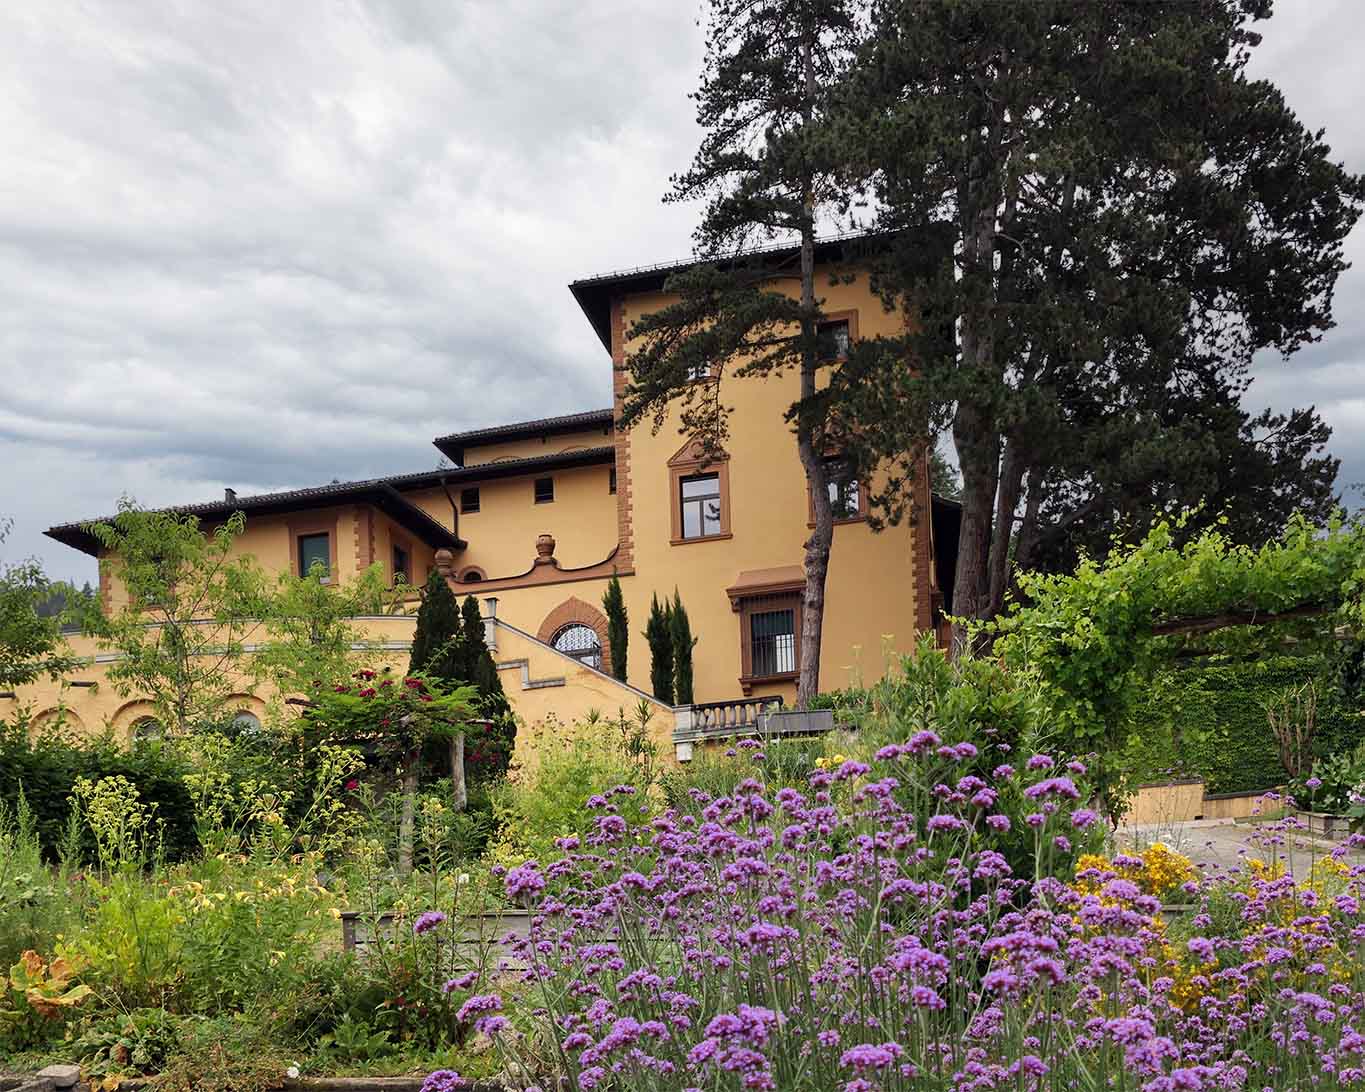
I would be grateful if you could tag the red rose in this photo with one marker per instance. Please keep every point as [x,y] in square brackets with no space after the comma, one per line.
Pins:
[352,785]
[341,689]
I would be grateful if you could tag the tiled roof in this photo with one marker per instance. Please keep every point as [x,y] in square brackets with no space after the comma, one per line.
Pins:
[594,293]
[455,444]
[384,493]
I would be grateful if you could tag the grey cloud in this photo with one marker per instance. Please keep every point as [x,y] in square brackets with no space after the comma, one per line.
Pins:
[266,245]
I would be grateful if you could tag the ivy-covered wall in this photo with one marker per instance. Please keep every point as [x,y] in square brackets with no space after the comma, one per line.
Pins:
[1211,722]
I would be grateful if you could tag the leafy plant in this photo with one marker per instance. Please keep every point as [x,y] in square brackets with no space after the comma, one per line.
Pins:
[142,1041]
[355,1041]
[191,603]
[41,994]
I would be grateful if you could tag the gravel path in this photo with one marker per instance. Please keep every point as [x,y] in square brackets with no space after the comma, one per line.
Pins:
[1219,844]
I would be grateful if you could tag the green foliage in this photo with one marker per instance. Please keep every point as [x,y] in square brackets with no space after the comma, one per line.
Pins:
[1096,637]
[595,757]
[394,714]
[436,648]
[1212,719]
[139,1042]
[680,634]
[36,903]
[618,626]
[31,644]
[659,637]
[47,769]
[971,699]
[310,629]
[191,606]
[1105,272]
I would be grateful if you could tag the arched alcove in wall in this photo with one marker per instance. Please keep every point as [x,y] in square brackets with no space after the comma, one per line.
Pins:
[572,627]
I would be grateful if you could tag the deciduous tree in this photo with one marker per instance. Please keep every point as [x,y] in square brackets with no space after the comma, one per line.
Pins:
[191,603]
[31,645]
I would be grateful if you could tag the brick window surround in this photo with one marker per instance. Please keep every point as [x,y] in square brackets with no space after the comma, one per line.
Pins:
[574,610]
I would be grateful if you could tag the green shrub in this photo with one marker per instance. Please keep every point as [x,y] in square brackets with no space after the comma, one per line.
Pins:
[551,801]
[37,904]
[47,769]
[1212,722]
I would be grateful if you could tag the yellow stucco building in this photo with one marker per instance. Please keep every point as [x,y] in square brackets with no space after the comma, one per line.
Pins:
[535,517]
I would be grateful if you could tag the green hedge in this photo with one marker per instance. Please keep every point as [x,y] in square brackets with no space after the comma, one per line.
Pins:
[1210,721]
[47,769]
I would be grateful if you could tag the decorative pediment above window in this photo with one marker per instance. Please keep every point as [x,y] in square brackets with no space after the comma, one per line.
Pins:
[699,488]
[692,455]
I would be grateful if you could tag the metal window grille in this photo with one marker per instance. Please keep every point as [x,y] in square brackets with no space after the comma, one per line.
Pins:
[580,642]
[772,636]
[700,500]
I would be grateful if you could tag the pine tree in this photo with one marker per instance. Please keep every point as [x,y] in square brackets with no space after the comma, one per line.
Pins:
[680,634]
[618,626]
[769,169]
[659,637]
[436,643]
[1125,218]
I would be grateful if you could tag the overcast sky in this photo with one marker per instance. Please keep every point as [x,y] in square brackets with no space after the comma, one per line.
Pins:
[263,245]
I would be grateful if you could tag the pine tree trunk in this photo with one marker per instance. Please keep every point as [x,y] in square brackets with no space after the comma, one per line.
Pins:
[458,789]
[975,433]
[1011,488]
[411,761]
[813,460]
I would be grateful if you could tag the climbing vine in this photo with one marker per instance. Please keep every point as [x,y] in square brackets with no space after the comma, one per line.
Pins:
[1095,637]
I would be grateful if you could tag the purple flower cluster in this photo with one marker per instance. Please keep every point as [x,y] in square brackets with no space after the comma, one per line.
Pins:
[427,921]
[867,933]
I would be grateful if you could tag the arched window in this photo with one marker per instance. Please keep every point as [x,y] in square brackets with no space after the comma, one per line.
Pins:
[580,642]
[246,722]
[147,729]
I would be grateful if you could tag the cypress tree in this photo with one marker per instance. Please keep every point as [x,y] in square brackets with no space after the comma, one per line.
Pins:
[660,639]
[680,633]
[436,644]
[493,753]
[478,661]
[618,626]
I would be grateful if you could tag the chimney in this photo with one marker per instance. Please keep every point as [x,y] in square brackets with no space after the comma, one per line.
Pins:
[230,496]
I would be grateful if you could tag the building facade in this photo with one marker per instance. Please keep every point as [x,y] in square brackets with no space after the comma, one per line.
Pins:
[535,517]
